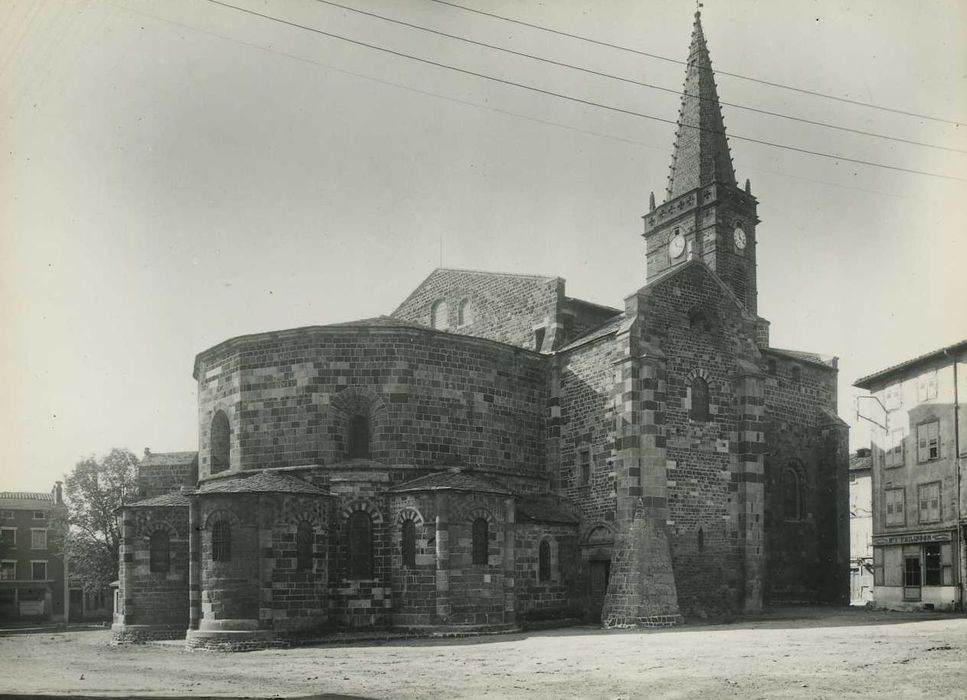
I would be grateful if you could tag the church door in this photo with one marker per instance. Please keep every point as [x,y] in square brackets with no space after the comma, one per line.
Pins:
[600,573]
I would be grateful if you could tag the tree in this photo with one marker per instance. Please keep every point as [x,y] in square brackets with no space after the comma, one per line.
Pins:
[94,491]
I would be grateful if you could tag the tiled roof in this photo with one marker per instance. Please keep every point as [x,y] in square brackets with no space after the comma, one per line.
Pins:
[860,463]
[262,482]
[166,500]
[158,459]
[607,328]
[496,274]
[864,382]
[456,480]
[543,510]
[827,416]
[812,357]
[26,496]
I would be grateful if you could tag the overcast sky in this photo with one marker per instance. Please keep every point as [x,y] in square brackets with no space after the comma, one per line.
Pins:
[174,174]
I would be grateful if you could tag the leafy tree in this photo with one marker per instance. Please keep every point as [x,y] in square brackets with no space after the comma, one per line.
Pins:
[93,492]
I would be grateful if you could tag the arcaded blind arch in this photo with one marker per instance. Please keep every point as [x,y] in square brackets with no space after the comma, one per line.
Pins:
[408,543]
[360,527]
[544,561]
[438,314]
[791,494]
[359,437]
[221,443]
[221,541]
[304,545]
[159,546]
[699,410]
[481,535]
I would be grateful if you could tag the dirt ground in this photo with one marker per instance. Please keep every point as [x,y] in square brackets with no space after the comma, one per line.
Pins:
[803,653]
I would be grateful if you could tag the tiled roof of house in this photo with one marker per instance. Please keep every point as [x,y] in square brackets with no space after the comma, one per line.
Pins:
[166,500]
[158,459]
[865,382]
[26,496]
[455,480]
[543,510]
[860,462]
[261,482]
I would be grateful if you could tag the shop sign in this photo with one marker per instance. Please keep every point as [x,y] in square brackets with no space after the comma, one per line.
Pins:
[918,538]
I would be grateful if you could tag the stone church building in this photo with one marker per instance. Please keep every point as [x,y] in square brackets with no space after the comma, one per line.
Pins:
[495,452]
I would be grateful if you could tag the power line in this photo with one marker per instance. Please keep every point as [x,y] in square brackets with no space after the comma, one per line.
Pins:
[637,82]
[683,63]
[578,100]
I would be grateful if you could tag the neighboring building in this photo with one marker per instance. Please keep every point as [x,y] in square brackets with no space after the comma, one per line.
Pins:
[32,582]
[861,528]
[496,451]
[918,492]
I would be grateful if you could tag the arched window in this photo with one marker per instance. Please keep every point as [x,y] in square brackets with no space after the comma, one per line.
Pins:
[701,540]
[480,541]
[304,545]
[221,541]
[791,495]
[796,374]
[464,313]
[438,315]
[360,545]
[699,410]
[408,537]
[221,443]
[160,546]
[358,437]
[544,561]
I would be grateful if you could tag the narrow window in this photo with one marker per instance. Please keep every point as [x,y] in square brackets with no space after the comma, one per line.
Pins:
[221,541]
[911,571]
[38,570]
[159,546]
[464,313]
[773,368]
[894,500]
[304,545]
[797,374]
[544,561]
[220,443]
[927,387]
[360,545]
[699,410]
[893,457]
[539,338]
[358,437]
[701,540]
[438,315]
[480,541]
[408,539]
[791,497]
[928,441]
[584,465]
[739,283]
[933,565]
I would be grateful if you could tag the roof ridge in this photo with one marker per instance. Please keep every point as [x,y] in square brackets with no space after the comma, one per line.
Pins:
[500,274]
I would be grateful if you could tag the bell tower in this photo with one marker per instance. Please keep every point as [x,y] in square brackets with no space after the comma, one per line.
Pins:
[705,214]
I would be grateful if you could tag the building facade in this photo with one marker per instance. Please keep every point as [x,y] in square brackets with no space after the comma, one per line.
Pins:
[496,452]
[32,570]
[861,527]
[918,491]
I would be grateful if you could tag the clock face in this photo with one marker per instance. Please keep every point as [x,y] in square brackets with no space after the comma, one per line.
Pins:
[677,245]
[739,237]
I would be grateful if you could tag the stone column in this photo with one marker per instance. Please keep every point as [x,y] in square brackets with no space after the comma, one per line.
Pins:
[126,579]
[442,558]
[194,563]
[510,534]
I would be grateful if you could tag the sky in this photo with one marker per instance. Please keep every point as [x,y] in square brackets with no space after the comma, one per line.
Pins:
[174,174]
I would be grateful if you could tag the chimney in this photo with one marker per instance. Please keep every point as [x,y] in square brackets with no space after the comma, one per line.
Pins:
[863,452]
[58,493]
[147,451]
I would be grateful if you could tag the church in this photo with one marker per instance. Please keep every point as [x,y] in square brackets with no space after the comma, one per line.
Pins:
[495,453]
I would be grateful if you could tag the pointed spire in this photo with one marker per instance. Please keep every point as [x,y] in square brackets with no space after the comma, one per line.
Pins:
[701,153]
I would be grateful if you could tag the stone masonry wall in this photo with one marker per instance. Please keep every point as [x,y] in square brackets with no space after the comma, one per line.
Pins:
[431,398]
[502,307]
[157,598]
[557,596]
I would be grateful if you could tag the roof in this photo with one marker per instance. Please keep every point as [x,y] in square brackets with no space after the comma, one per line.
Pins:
[543,510]
[827,361]
[175,499]
[592,305]
[601,331]
[867,381]
[701,153]
[496,274]
[453,480]
[261,482]
[827,416]
[159,459]
[859,462]
[25,500]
